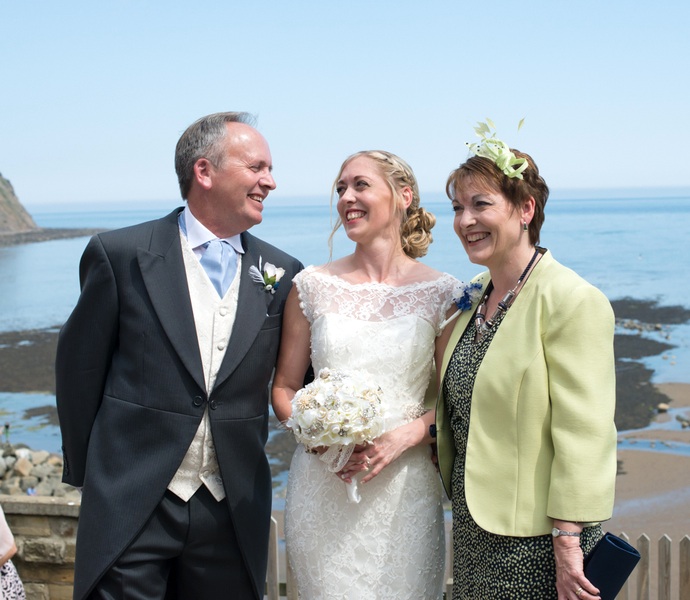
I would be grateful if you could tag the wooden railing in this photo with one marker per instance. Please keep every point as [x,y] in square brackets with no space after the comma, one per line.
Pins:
[280,583]
[640,584]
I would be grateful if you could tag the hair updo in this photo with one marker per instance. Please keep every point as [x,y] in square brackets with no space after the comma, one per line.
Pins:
[484,173]
[416,222]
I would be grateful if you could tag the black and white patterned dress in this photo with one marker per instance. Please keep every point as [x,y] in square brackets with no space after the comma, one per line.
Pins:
[488,566]
[11,587]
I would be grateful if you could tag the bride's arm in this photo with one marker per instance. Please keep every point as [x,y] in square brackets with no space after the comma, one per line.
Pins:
[293,358]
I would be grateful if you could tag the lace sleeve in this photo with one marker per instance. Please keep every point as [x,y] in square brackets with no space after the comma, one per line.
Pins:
[447,286]
[304,283]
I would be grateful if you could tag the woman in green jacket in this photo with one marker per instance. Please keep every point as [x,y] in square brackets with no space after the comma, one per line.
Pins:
[526,438]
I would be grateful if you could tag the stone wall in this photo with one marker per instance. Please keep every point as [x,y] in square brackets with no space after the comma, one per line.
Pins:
[45,530]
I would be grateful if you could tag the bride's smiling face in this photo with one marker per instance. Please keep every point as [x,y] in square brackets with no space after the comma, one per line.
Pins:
[366,205]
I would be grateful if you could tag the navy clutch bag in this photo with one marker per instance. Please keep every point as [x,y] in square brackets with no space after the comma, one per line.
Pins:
[609,565]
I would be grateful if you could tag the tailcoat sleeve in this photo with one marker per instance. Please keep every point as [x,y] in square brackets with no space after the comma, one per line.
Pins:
[85,348]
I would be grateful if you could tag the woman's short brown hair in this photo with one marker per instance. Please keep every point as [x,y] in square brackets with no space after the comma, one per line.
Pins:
[484,173]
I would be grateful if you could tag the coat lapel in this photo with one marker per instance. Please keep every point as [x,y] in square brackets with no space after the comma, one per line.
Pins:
[162,268]
[252,309]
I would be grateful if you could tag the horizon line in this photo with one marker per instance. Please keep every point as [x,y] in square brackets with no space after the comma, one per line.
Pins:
[590,193]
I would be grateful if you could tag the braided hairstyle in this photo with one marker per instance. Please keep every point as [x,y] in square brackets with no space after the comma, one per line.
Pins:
[484,173]
[416,222]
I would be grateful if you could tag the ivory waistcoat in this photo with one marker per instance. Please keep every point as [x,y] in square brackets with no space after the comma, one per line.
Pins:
[214,318]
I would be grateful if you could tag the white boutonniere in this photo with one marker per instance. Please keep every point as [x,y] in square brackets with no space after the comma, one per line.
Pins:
[269,278]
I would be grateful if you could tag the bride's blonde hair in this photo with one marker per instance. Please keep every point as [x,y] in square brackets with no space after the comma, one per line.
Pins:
[416,222]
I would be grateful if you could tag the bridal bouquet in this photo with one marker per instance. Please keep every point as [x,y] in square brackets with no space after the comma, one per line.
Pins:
[339,411]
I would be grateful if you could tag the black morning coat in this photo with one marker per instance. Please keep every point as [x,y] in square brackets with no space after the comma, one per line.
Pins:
[131,393]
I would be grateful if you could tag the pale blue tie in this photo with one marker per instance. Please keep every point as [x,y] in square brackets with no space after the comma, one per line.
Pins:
[220,263]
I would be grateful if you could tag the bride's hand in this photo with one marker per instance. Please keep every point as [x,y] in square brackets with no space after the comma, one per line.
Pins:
[373,458]
[359,461]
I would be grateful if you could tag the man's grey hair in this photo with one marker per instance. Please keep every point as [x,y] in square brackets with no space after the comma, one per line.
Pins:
[202,139]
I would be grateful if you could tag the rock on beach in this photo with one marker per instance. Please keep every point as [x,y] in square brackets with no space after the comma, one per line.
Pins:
[33,472]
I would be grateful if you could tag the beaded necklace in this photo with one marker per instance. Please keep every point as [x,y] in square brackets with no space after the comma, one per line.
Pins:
[484,325]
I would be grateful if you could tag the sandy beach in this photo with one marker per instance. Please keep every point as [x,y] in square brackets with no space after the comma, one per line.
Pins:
[653,488]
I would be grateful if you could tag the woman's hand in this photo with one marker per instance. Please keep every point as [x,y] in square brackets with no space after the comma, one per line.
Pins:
[359,461]
[571,582]
[374,457]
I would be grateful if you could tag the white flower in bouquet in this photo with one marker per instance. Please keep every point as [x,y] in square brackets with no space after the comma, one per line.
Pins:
[339,411]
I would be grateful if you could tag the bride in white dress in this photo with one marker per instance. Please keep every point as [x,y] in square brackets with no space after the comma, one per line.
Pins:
[377,313]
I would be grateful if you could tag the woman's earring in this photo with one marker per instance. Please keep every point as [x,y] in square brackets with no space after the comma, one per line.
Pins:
[524,226]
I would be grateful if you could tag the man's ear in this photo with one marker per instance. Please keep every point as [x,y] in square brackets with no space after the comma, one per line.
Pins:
[203,171]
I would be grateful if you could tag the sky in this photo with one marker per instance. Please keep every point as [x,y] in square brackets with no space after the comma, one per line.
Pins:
[95,94]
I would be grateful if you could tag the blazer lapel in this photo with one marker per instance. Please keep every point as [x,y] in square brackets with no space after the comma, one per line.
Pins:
[252,307]
[162,268]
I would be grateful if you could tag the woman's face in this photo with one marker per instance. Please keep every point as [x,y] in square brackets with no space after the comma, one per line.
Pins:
[488,225]
[365,201]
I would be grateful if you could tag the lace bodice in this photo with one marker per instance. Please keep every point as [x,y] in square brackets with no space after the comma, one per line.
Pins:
[383,331]
[321,294]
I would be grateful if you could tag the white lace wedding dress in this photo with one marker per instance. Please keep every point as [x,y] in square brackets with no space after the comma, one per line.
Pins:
[390,545]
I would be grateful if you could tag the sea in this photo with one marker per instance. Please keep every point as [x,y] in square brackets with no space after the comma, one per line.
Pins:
[628,243]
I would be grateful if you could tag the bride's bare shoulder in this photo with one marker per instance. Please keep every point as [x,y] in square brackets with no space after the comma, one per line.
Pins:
[337,268]
[421,272]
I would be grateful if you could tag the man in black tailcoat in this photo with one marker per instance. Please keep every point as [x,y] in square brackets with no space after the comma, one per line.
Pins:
[162,385]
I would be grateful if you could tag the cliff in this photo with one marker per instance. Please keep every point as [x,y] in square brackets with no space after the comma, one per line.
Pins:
[13,216]
[17,226]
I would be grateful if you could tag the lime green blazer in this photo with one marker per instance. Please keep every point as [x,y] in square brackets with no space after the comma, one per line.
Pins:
[542,441]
